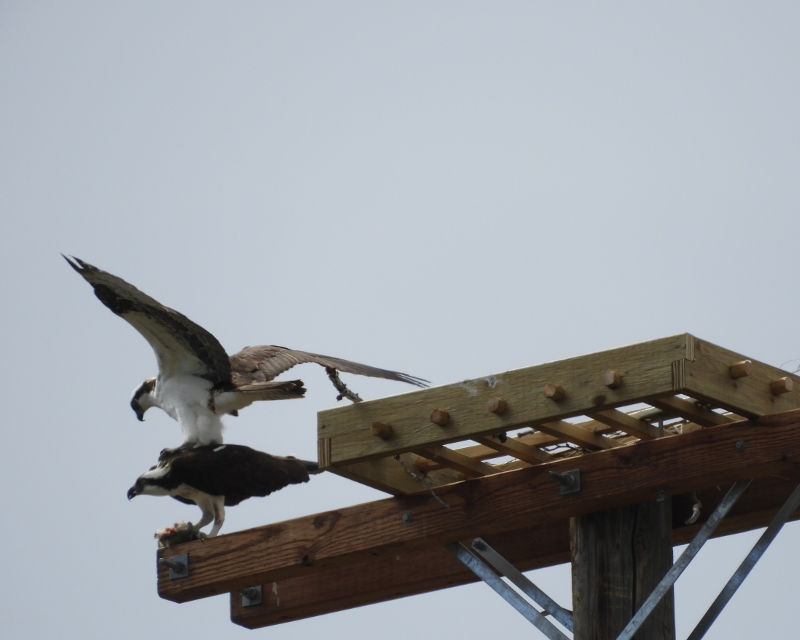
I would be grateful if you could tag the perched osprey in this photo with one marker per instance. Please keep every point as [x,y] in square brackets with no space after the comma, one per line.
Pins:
[197,381]
[217,476]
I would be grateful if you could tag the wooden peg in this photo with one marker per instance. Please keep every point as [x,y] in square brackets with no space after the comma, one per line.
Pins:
[612,379]
[497,405]
[781,385]
[553,391]
[440,417]
[382,430]
[741,369]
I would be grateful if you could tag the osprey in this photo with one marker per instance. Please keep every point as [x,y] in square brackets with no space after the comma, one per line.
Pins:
[197,381]
[217,476]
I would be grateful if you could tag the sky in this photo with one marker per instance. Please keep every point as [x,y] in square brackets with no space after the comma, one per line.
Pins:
[450,189]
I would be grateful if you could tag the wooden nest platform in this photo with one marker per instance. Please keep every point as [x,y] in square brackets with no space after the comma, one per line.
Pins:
[661,426]
[676,384]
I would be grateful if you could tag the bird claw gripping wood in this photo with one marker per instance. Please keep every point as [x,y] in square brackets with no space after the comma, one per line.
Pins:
[341,387]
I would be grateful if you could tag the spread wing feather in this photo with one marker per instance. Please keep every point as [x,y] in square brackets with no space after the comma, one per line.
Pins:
[261,364]
[181,346]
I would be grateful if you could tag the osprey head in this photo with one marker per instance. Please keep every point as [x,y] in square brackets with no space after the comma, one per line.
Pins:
[142,398]
[151,483]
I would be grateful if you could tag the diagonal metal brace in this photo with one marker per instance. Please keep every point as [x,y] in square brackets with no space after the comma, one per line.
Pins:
[747,565]
[550,606]
[686,557]
[509,595]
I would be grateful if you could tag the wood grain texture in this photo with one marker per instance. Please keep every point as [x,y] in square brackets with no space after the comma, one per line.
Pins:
[618,558]
[708,378]
[646,367]
[484,506]
[409,573]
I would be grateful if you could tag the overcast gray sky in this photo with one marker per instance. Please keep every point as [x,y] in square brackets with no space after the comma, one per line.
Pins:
[450,189]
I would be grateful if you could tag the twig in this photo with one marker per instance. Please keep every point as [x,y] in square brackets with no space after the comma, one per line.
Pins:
[422,481]
[341,387]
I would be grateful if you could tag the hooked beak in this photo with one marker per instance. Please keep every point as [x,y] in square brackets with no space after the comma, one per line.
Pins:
[137,409]
[132,493]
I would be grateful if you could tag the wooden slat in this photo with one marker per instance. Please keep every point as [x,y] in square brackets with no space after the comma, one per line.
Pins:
[646,368]
[482,452]
[577,435]
[690,411]
[458,461]
[410,573]
[483,506]
[708,377]
[623,422]
[387,474]
[513,447]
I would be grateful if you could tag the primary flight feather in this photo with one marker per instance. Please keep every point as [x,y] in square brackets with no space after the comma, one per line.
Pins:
[197,381]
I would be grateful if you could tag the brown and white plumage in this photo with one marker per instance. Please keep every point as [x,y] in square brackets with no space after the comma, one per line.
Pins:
[197,381]
[214,477]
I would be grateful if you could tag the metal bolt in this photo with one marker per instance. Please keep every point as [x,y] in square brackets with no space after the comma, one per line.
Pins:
[407,518]
[179,567]
[251,596]
[740,446]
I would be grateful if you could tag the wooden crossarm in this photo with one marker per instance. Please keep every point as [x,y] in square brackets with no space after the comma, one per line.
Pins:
[484,506]
[411,573]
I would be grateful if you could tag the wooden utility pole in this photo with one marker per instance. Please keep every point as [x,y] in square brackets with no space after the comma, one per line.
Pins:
[618,557]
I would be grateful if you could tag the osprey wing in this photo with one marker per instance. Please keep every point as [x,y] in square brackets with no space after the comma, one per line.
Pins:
[260,364]
[181,346]
[237,472]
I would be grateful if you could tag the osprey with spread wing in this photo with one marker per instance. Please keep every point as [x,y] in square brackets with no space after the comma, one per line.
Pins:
[197,381]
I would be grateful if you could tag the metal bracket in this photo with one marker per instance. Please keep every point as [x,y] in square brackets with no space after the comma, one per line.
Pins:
[178,566]
[570,481]
[550,606]
[486,574]
[686,557]
[251,596]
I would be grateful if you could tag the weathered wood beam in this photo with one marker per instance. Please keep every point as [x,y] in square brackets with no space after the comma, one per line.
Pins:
[618,557]
[484,506]
[708,376]
[647,370]
[410,573]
